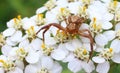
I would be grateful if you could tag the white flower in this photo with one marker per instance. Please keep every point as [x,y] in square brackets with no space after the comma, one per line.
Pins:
[116,42]
[103,59]
[48,6]
[9,66]
[28,23]
[38,19]
[13,36]
[15,23]
[45,65]
[74,7]
[103,39]
[60,53]
[80,56]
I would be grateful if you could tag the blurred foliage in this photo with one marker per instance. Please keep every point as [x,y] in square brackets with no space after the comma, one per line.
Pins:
[26,8]
[11,8]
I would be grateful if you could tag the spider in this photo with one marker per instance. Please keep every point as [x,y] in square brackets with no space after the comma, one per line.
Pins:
[73,22]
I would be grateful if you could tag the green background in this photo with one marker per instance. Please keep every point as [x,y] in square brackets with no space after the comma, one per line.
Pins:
[27,8]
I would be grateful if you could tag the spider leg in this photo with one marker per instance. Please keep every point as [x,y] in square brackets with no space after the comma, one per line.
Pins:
[89,36]
[44,33]
[46,27]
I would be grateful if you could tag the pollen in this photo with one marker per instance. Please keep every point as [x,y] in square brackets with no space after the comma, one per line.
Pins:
[115,3]
[111,50]
[2,61]
[15,20]
[40,15]
[19,17]
[84,51]
[94,20]
[84,8]
[32,28]
[62,10]
[43,46]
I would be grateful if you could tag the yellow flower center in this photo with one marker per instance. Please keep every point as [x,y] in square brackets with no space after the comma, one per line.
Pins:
[43,70]
[113,6]
[81,54]
[84,51]
[82,11]
[63,12]
[111,50]
[17,22]
[7,65]
[46,49]
[40,19]
[50,4]
[115,3]
[107,53]
[21,53]
[61,36]
[31,32]
[96,27]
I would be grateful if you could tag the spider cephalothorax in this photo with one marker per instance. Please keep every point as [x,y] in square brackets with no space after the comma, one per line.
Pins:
[74,23]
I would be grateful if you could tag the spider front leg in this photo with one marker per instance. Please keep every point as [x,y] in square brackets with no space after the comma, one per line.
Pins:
[46,27]
[89,36]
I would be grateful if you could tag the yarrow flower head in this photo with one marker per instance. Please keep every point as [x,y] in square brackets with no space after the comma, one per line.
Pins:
[82,34]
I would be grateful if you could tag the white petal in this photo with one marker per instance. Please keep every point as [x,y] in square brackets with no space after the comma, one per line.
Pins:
[6,49]
[74,65]
[9,42]
[36,44]
[70,46]
[74,7]
[99,49]
[69,58]
[47,62]
[56,68]
[76,43]
[60,53]
[49,40]
[28,23]
[101,40]
[108,16]
[50,18]
[62,3]
[85,40]
[106,25]
[116,58]
[32,57]
[16,37]
[117,27]
[1,70]
[16,70]
[9,32]
[88,67]
[115,45]
[10,23]
[103,67]
[41,10]
[63,24]
[84,26]
[87,46]
[30,69]
[109,34]
[19,64]
[13,54]
[98,59]
[24,43]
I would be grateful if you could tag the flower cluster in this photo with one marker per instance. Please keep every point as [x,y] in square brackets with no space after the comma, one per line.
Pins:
[24,51]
